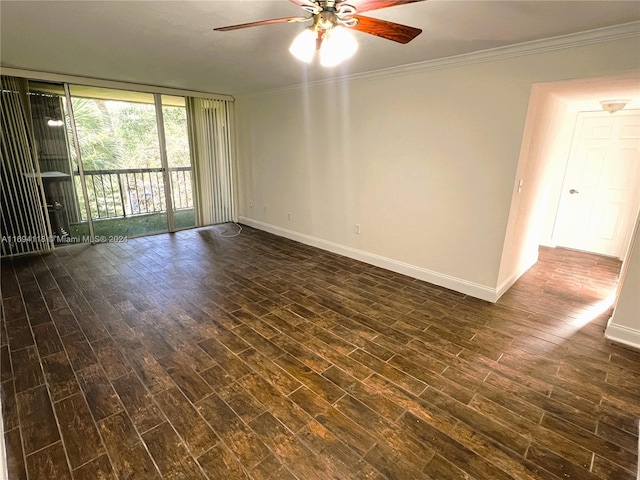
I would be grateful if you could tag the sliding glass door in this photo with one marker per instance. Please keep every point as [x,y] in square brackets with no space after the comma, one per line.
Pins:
[176,134]
[111,163]
[118,138]
[49,121]
[132,187]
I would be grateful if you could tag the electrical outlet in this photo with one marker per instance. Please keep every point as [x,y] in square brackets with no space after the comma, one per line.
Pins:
[357,229]
[289,216]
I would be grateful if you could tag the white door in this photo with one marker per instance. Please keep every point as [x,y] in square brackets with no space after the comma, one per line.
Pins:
[601,191]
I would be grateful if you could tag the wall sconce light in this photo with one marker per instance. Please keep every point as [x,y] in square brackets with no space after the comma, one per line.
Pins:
[612,106]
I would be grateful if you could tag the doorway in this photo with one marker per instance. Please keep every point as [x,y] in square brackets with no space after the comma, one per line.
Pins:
[539,180]
[601,190]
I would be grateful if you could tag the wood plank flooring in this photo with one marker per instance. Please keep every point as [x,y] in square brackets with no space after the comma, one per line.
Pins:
[193,356]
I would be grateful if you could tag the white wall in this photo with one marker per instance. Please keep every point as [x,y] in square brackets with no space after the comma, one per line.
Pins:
[425,161]
[624,326]
[543,157]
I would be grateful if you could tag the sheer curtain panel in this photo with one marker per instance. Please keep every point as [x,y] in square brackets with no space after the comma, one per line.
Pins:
[23,221]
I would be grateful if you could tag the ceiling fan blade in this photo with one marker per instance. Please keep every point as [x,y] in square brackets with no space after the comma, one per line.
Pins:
[386,29]
[368,5]
[303,3]
[261,22]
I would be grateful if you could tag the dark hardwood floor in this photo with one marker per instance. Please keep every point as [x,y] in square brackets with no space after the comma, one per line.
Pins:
[192,356]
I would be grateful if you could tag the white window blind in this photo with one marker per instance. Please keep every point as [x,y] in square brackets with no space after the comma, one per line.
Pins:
[24,223]
[211,147]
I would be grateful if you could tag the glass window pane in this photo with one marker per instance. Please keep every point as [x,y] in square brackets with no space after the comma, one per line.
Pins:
[118,136]
[57,164]
[179,160]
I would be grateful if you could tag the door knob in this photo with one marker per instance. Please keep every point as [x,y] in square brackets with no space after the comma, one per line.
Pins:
[573,190]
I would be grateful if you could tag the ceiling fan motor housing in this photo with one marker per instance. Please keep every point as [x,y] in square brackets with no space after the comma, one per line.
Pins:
[330,16]
[325,20]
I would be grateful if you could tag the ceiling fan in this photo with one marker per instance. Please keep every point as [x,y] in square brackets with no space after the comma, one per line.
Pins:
[331,19]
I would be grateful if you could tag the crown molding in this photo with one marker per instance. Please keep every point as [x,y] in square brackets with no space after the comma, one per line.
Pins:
[97,82]
[589,37]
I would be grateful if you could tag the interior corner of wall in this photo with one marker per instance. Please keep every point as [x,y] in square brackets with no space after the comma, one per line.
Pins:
[525,264]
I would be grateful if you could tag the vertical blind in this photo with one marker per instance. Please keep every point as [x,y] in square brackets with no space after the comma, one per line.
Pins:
[24,223]
[211,144]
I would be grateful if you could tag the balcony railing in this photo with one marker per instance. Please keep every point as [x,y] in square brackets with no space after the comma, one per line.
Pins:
[138,191]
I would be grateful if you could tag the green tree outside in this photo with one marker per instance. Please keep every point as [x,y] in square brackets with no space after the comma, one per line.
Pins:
[115,135]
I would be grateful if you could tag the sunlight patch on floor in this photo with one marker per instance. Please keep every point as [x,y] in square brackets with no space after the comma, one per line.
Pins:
[593,312]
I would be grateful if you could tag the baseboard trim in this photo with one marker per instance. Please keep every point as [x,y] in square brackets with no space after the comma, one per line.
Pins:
[623,335]
[459,285]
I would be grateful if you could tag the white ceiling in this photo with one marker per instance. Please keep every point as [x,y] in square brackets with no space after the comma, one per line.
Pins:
[172,44]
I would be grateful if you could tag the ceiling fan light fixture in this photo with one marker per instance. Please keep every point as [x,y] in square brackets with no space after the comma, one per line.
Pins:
[337,46]
[53,122]
[303,46]
[612,106]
